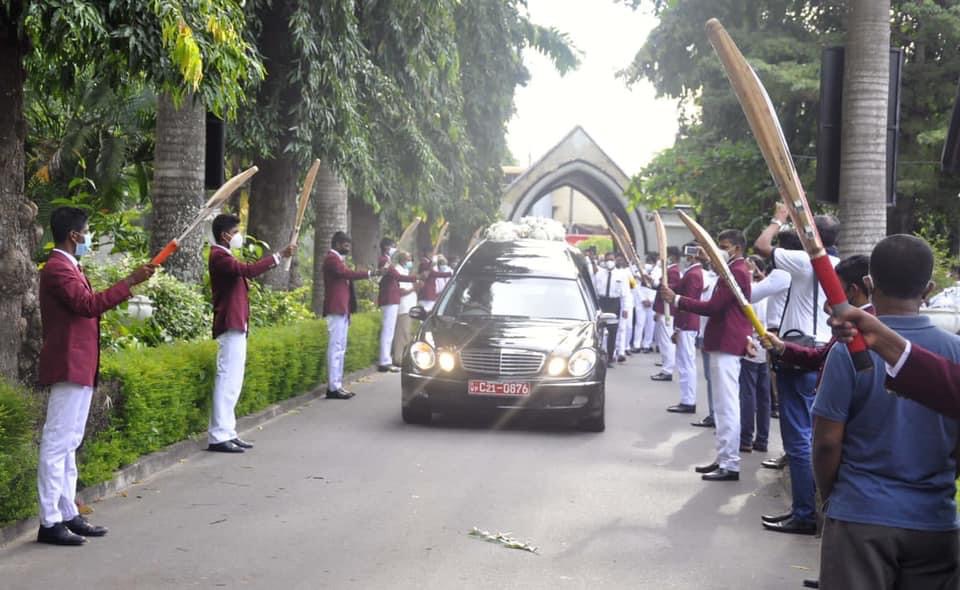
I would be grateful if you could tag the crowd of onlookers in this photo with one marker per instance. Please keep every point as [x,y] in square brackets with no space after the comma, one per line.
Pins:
[873,472]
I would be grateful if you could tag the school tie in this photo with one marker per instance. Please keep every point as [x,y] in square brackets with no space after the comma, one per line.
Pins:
[609,280]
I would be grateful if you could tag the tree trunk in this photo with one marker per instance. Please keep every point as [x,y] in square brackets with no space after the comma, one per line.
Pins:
[177,192]
[365,231]
[273,207]
[863,158]
[19,311]
[330,204]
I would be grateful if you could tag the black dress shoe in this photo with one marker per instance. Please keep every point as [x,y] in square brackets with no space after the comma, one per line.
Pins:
[746,448]
[721,475]
[388,369]
[621,359]
[227,446]
[339,394]
[59,534]
[707,422]
[79,526]
[776,517]
[759,447]
[662,377]
[707,468]
[242,443]
[646,350]
[792,526]
[682,409]
[778,463]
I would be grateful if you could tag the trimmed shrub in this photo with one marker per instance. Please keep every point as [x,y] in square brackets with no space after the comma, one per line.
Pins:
[162,395]
[18,453]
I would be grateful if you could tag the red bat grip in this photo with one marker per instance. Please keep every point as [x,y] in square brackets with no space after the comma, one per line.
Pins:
[837,299]
[162,256]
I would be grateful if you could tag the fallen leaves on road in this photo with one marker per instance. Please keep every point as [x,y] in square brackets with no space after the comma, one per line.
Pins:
[504,539]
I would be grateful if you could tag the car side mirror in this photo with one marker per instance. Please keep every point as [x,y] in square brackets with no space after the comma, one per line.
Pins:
[417,312]
[608,319]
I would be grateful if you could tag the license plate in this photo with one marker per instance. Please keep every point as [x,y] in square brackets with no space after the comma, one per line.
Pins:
[477,387]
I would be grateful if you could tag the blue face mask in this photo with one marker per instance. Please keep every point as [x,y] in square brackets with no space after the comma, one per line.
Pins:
[84,248]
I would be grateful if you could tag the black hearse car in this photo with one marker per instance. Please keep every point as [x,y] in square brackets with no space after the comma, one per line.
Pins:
[518,328]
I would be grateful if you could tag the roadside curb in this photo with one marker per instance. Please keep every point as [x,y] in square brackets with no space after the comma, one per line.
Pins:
[149,465]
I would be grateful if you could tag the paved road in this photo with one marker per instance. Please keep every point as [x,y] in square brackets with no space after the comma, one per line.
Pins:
[344,495]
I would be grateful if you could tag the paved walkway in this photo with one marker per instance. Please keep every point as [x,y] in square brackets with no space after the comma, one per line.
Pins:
[344,495]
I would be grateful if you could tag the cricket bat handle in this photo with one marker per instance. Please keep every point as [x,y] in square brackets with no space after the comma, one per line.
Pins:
[838,300]
[167,251]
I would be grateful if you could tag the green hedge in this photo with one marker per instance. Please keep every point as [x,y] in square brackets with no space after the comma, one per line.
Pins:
[150,398]
[18,453]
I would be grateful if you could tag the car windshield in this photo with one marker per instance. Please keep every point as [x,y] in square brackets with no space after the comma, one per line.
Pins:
[529,297]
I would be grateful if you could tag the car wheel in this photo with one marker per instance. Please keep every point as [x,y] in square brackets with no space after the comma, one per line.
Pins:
[416,414]
[595,421]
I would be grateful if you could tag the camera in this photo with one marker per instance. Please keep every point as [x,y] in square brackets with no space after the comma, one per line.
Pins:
[691,250]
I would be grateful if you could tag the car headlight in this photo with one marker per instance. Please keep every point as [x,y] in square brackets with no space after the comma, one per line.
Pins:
[446,360]
[556,366]
[582,362]
[423,356]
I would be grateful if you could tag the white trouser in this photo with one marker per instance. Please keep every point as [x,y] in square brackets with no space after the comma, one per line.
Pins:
[668,350]
[67,412]
[687,366]
[227,384]
[386,332]
[426,304]
[337,327]
[725,380]
[649,327]
[624,331]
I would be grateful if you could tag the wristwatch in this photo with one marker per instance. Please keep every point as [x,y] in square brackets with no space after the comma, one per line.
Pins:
[777,221]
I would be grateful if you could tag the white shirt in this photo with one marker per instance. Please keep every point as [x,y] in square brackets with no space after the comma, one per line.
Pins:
[710,279]
[69,256]
[802,312]
[760,308]
[619,284]
[410,299]
[774,288]
[949,297]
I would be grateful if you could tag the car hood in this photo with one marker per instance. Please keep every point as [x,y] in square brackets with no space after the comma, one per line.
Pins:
[527,334]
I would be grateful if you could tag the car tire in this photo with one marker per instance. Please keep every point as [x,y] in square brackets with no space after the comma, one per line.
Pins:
[416,414]
[596,420]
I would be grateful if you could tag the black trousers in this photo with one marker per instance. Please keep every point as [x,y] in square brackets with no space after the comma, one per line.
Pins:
[611,305]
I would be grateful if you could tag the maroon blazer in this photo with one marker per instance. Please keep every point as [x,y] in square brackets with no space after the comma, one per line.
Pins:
[691,285]
[809,357]
[930,380]
[673,281]
[339,298]
[229,284]
[728,328]
[428,292]
[70,312]
[390,285]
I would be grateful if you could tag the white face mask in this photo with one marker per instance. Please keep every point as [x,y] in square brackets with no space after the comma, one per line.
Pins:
[725,256]
[610,264]
[236,242]
[391,252]
[86,246]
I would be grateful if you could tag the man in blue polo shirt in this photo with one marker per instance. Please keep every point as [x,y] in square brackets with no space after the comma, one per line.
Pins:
[885,465]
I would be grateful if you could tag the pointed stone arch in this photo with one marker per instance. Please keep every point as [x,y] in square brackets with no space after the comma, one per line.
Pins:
[578,161]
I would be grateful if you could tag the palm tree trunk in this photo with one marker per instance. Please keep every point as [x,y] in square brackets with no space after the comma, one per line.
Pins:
[863,158]
[330,201]
[273,206]
[19,311]
[365,231]
[177,192]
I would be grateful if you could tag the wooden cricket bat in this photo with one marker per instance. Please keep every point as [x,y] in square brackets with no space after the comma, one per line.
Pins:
[305,193]
[408,238]
[626,244]
[444,229]
[222,194]
[662,249]
[720,265]
[769,135]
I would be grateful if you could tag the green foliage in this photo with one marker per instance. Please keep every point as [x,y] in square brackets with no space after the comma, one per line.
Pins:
[603,244]
[18,453]
[163,395]
[943,261]
[278,308]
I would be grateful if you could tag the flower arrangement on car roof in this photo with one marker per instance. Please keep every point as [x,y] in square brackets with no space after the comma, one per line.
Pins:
[528,228]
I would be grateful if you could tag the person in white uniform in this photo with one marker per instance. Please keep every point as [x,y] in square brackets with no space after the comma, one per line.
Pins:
[626,312]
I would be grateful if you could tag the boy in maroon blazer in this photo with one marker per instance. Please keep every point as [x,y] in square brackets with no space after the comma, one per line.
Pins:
[725,338]
[686,327]
[339,301]
[429,273]
[231,316]
[388,299]
[69,361]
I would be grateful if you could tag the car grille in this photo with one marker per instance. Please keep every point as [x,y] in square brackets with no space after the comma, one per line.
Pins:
[508,363]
